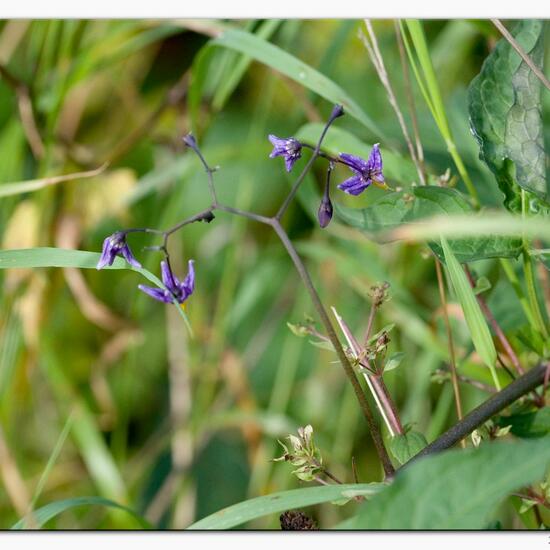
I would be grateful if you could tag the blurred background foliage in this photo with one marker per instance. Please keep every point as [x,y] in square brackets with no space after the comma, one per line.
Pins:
[178,427]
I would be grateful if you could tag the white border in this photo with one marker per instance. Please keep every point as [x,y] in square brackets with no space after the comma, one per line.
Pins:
[244,9]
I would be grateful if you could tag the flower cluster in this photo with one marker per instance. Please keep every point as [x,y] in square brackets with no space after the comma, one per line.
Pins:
[305,456]
[174,289]
[365,172]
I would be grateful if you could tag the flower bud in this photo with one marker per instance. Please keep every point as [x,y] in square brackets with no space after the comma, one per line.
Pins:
[324,215]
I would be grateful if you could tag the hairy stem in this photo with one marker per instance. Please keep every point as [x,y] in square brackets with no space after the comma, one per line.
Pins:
[518,388]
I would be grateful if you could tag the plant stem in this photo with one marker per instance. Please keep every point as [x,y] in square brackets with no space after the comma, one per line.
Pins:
[518,388]
[348,369]
[454,376]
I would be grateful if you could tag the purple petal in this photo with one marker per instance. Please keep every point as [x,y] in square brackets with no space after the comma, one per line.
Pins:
[354,185]
[357,164]
[107,254]
[157,293]
[168,278]
[279,146]
[188,284]
[375,159]
[290,160]
[129,257]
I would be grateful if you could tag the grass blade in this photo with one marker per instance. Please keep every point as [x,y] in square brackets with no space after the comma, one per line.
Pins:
[242,512]
[479,331]
[50,511]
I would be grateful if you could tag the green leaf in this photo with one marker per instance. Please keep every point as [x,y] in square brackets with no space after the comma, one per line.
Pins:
[292,67]
[403,447]
[457,489]
[506,115]
[425,202]
[479,331]
[532,424]
[50,511]
[279,502]
[394,361]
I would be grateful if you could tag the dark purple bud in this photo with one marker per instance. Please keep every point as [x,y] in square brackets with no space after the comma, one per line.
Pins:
[289,148]
[337,111]
[113,246]
[324,214]
[190,141]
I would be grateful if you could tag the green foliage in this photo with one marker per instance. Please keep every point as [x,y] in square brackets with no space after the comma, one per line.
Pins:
[528,424]
[457,489]
[238,514]
[422,203]
[479,331]
[41,516]
[506,115]
[404,446]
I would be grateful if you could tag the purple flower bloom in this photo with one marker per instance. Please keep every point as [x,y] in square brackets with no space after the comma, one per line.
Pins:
[115,245]
[289,148]
[365,171]
[180,290]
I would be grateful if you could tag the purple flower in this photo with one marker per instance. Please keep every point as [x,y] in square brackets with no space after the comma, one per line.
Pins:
[115,245]
[180,290]
[365,171]
[289,148]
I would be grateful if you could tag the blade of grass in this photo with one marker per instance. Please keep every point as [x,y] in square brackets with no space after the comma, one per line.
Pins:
[427,81]
[50,511]
[479,331]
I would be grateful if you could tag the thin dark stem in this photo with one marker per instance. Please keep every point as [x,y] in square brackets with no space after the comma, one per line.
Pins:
[316,152]
[244,214]
[518,388]
[350,373]
[302,271]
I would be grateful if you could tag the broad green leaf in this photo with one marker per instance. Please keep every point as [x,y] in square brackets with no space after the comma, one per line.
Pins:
[397,169]
[50,511]
[292,67]
[506,115]
[479,331]
[279,502]
[425,202]
[531,424]
[404,447]
[457,489]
